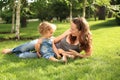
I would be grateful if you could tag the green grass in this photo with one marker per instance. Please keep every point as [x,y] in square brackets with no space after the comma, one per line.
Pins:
[104,64]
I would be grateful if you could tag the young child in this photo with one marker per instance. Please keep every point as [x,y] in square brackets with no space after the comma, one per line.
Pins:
[44,45]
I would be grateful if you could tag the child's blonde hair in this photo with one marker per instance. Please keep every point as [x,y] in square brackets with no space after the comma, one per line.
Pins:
[44,27]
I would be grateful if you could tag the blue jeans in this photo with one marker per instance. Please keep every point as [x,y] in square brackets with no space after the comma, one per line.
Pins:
[26,50]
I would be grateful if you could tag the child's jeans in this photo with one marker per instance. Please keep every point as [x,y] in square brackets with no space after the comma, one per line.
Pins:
[26,50]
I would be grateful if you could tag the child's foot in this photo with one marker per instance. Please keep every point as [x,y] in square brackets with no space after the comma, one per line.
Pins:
[63,59]
[71,56]
[6,51]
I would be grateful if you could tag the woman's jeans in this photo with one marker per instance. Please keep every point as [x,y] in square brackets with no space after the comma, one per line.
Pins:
[26,50]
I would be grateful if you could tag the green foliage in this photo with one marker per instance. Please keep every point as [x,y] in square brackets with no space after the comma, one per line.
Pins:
[103,2]
[115,9]
[48,9]
[61,10]
[115,2]
[3,3]
[118,18]
[42,10]
[7,16]
[104,64]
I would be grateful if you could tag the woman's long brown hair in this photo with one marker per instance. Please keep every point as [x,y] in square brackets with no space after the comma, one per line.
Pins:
[85,37]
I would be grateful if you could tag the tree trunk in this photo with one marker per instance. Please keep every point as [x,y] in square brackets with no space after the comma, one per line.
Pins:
[18,20]
[88,15]
[110,14]
[13,18]
[23,22]
[70,11]
[84,6]
[102,13]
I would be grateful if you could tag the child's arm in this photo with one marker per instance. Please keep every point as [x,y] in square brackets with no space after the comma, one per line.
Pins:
[56,50]
[37,47]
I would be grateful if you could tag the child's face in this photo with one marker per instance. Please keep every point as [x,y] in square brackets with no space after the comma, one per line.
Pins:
[49,33]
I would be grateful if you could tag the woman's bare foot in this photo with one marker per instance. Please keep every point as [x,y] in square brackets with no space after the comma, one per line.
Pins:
[6,51]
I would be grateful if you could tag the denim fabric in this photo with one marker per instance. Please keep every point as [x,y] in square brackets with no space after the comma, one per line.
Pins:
[27,55]
[46,49]
[29,46]
[26,50]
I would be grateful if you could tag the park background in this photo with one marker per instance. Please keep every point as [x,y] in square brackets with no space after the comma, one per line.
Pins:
[19,20]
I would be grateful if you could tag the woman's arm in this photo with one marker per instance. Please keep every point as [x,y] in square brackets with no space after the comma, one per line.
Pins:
[75,53]
[57,39]
[37,47]
[88,53]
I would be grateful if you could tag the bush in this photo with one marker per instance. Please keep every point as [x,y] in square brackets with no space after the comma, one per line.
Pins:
[7,16]
[60,10]
[118,18]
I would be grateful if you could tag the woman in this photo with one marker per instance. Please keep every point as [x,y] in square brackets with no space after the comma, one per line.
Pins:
[76,39]
[72,41]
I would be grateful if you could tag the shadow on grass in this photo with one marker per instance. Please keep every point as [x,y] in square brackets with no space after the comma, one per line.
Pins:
[21,38]
[28,63]
[5,32]
[104,24]
[17,65]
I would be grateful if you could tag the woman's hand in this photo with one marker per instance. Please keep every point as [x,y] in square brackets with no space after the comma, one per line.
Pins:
[75,53]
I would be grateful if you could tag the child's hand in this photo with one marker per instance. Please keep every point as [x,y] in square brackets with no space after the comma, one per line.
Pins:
[38,54]
[58,56]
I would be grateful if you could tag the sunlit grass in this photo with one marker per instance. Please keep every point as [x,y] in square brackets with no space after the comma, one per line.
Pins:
[104,64]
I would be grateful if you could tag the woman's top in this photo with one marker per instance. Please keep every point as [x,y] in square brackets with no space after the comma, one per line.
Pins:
[63,44]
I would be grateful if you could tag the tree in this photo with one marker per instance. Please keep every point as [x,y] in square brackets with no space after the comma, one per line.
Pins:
[61,10]
[5,10]
[73,5]
[3,3]
[24,11]
[102,8]
[13,17]
[18,20]
[84,7]
[43,10]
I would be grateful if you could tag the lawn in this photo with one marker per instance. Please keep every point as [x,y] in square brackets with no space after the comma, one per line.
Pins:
[104,64]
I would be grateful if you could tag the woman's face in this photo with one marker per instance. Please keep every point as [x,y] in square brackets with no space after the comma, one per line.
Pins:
[74,30]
